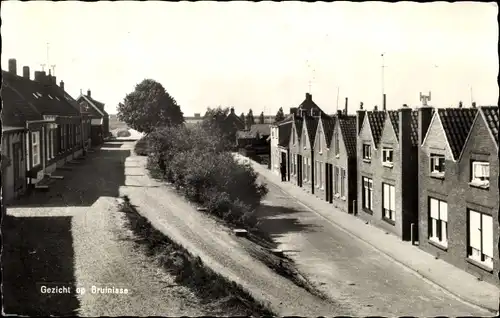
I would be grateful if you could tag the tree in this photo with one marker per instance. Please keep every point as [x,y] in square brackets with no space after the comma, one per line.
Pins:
[242,117]
[250,120]
[215,122]
[279,115]
[261,118]
[148,107]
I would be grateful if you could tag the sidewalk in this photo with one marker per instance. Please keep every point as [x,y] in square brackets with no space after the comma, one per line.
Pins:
[453,281]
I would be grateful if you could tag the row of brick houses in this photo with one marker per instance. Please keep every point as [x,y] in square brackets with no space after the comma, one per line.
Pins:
[428,175]
[43,127]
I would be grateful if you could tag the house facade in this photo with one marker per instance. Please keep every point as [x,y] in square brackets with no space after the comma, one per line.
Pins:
[321,148]
[99,118]
[279,142]
[295,149]
[458,184]
[51,138]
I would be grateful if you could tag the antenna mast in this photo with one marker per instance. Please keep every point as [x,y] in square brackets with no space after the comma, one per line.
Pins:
[50,66]
[338,90]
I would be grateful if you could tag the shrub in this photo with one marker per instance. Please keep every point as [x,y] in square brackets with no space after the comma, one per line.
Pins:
[196,160]
[141,146]
[123,133]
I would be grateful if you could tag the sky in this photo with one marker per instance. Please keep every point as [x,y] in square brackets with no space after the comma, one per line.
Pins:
[262,55]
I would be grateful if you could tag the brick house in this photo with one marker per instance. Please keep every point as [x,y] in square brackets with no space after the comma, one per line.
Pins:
[279,142]
[322,142]
[458,183]
[55,137]
[389,171]
[342,164]
[99,118]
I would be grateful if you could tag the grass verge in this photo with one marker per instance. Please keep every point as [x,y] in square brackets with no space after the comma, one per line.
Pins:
[190,270]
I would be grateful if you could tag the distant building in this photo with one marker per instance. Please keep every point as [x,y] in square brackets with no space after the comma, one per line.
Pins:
[99,117]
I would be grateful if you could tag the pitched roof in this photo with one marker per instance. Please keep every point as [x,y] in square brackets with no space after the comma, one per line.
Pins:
[312,127]
[491,116]
[15,109]
[235,120]
[328,127]
[457,123]
[348,129]
[376,120]
[298,126]
[45,97]
[262,129]
[284,132]
[94,108]
[394,118]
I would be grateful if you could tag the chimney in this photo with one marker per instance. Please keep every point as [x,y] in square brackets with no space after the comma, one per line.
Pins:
[473,104]
[39,76]
[339,113]
[460,104]
[424,120]
[384,103]
[13,66]
[26,72]
[308,97]
[345,109]
[54,80]
[61,84]
[232,108]
[88,93]
[375,108]
[293,110]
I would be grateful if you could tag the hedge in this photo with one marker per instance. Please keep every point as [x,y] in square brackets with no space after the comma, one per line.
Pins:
[196,160]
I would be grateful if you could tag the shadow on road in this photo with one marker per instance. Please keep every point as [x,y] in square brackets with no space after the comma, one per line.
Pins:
[100,174]
[37,251]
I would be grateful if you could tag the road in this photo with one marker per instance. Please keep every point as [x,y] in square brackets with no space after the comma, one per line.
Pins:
[348,270]
[73,236]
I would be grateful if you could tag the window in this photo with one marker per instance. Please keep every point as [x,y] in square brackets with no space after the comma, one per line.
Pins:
[293,136]
[304,140]
[387,155]
[389,203]
[367,152]
[62,137]
[52,143]
[480,247]
[437,164]
[438,221]
[304,169]
[337,144]
[342,182]
[308,169]
[320,144]
[79,137]
[316,177]
[294,167]
[320,175]
[35,148]
[480,174]
[367,193]
[50,96]
[336,180]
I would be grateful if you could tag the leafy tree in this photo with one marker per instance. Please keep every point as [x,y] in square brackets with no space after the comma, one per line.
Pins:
[148,107]
[215,120]
[261,118]
[250,120]
[279,115]
[242,117]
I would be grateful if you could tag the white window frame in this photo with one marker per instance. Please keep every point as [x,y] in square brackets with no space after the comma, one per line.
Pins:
[386,151]
[389,201]
[481,179]
[336,180]
[321,185]
[367,155]
[436,162]
[367,193]
[342,182]
[480,238]
[438,221]
[35,148]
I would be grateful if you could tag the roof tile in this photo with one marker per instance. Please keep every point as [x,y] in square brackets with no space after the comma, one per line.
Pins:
[457,123]
[284,132]
[394,118]
[491,115]
[348,130]
[376,120]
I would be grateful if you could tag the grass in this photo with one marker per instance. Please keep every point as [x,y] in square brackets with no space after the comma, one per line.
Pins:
[189,270]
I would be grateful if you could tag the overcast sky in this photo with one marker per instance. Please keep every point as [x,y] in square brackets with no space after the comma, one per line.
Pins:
[262,55]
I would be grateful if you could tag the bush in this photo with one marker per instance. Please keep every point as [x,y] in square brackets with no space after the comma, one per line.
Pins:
[141,146]
[196,160]
[123,133]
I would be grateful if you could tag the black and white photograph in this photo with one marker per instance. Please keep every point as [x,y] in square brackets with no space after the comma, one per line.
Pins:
[251,159]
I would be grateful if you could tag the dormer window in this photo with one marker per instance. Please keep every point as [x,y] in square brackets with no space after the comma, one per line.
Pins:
[50,96]
[480,174]
[367,152]
[39,94]
[437,165]
[35,95]
[387,156]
